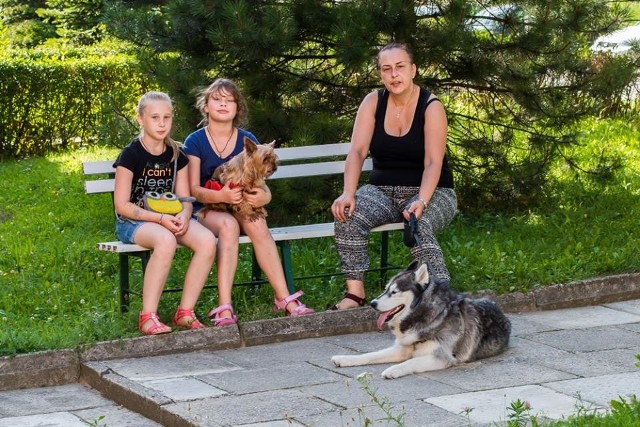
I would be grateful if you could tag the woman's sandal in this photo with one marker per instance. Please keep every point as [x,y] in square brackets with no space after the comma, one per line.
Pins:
[156,327]
[222,321]
[193,323]
[300,310]
[355,298]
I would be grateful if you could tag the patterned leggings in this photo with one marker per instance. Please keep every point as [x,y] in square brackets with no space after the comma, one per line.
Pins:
[378,205]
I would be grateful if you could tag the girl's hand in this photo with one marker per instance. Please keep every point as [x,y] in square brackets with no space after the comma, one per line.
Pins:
[257,197]
[172,223]
[182,223]
[232,196]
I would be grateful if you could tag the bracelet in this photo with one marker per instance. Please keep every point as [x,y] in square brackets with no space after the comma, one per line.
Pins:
[424,204]
[160,220]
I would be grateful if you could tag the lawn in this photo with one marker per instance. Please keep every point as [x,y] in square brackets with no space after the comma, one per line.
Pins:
[58,291]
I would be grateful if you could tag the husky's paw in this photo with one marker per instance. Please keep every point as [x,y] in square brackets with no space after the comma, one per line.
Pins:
[395,371]
[343,361]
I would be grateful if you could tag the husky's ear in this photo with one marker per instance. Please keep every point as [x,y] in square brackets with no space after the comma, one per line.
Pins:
[421,275]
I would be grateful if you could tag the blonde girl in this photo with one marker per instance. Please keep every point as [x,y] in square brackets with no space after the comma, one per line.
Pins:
[154,162]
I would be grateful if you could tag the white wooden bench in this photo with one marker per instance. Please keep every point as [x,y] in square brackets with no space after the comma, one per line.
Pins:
[295,162]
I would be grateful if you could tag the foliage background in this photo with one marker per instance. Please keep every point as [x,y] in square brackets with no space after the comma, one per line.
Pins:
[543,132]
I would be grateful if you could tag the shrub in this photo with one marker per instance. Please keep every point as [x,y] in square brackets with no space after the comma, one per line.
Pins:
[54,100]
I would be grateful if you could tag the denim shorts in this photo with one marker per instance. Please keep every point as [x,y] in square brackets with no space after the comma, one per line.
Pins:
[126,229]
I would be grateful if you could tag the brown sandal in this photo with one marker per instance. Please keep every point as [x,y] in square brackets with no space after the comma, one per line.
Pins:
[355,298]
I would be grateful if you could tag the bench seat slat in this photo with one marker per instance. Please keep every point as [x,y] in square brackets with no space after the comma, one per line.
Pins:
[294,232]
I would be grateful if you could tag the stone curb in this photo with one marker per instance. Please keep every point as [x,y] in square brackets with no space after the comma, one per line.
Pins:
[66,366]
[130,394]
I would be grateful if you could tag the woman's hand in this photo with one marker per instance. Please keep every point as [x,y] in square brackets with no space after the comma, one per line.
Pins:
[343,207]
[416,207]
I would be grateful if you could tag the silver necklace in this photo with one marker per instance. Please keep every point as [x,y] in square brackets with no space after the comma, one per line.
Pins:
[164,147]
[400,110]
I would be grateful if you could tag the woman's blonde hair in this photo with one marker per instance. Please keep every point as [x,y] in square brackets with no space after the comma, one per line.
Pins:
[144,101]
[226,87]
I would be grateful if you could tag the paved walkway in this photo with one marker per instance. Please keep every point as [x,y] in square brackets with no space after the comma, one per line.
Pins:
[559,361]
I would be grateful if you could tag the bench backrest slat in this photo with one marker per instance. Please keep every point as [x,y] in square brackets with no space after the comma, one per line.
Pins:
[289,154]
[313,151]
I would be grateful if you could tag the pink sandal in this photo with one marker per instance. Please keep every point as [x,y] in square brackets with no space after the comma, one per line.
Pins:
[156,327]
[300,310]
[183,312]
[222,321]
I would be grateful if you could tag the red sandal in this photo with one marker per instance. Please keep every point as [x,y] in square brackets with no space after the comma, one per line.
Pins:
[156,327]
[300,310]
[194,323]
[222,321]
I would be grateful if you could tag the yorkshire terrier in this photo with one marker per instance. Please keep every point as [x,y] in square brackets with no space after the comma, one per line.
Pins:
[247,170]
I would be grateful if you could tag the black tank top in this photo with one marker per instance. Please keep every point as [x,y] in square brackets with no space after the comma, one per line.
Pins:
[399,160]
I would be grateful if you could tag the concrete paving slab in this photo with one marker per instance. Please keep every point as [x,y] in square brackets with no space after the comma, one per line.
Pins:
[521,325]
[497,373]
[171,366]
[281,423]
[56,419]
[491,406]
[588,340]
[350,393]
[70,405]
[280,354]
[63,398]
[270,406]
[601,390]
[362,343]
[581,317]
[410,414]
[184,389]
[579,364]
[631,327]
[114,416]
[632,306]
[270,378]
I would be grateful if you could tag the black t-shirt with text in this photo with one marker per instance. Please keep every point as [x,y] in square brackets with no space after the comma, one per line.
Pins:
[150,173]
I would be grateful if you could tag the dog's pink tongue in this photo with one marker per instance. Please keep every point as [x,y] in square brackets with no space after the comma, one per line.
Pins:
[382,318]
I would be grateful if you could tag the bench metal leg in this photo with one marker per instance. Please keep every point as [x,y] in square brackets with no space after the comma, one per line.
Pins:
[384,256]
[124,282]
[287,265]
[125,290]
[256,271]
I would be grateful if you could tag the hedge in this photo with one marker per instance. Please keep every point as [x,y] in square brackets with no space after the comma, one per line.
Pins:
[51,102]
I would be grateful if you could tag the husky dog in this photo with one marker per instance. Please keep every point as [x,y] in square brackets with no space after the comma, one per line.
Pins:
[434,327]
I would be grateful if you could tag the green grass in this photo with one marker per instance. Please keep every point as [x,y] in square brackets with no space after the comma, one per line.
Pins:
[58,291]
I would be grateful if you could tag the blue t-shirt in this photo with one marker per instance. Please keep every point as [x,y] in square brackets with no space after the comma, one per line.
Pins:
[197,144]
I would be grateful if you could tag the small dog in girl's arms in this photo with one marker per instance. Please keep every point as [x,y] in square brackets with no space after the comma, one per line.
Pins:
[247,170]
[434,327]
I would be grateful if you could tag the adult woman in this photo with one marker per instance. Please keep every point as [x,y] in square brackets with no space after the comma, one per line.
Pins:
[404,127]
[223,110]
